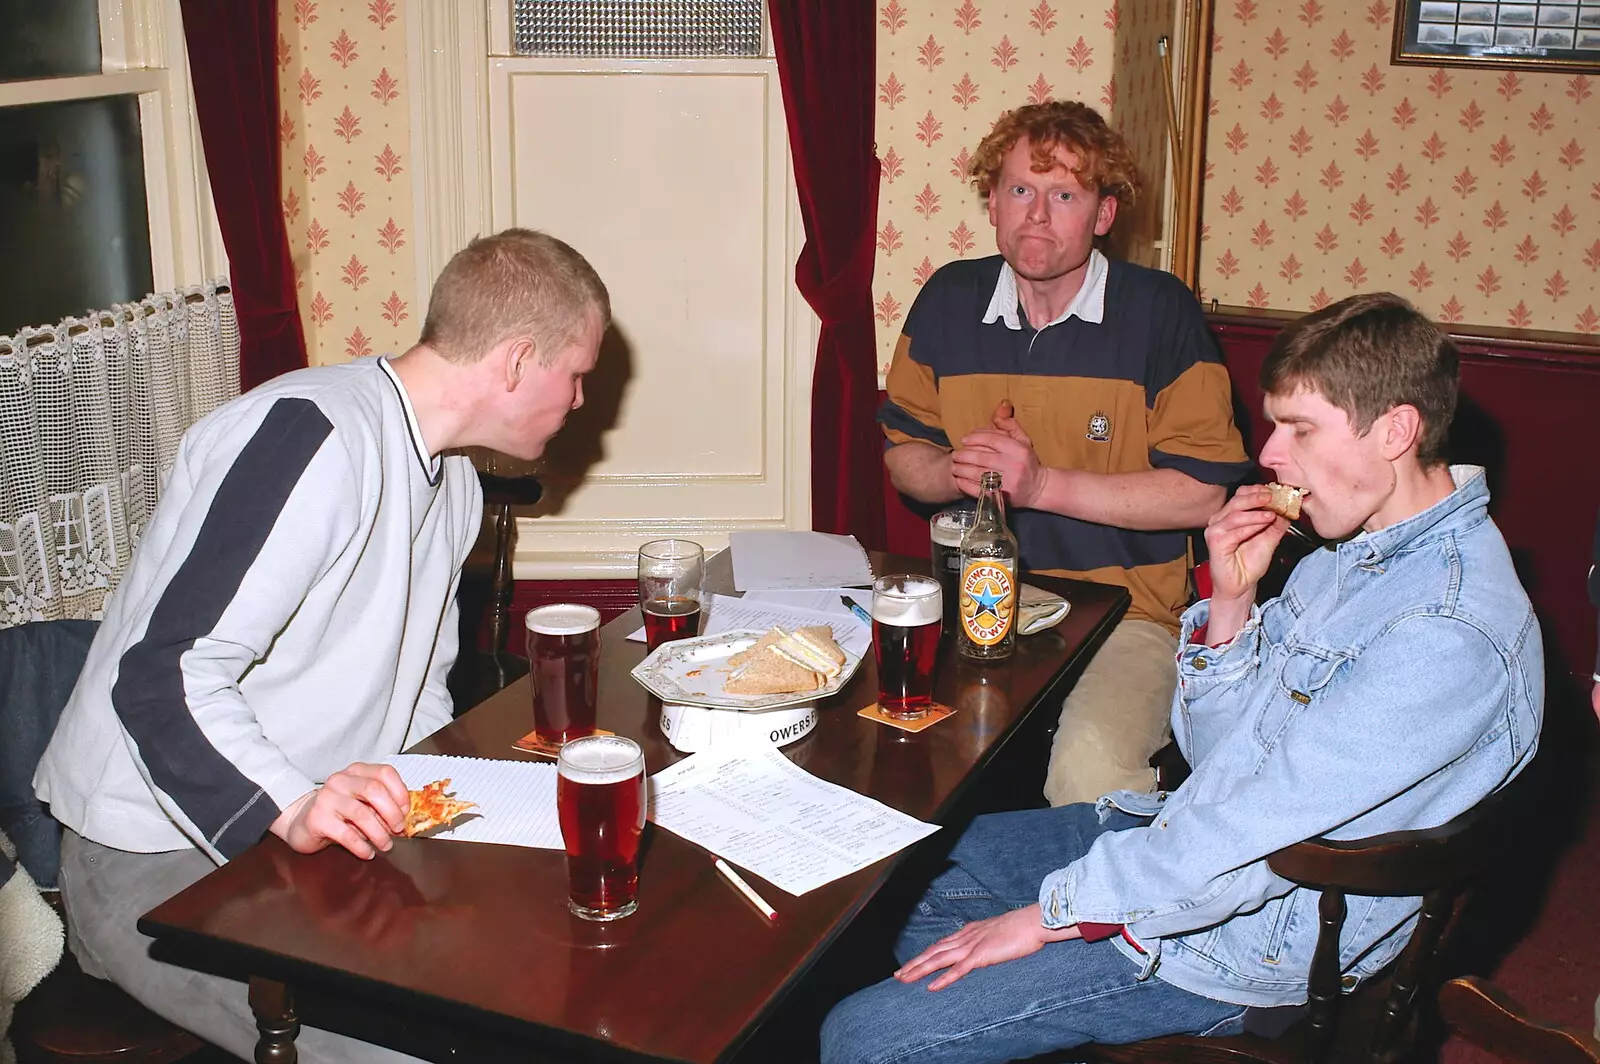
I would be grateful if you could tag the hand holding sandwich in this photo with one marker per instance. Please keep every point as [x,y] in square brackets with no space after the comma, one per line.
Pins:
[1241,538]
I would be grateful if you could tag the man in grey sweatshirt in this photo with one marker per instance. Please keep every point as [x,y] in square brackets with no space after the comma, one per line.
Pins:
[289,617]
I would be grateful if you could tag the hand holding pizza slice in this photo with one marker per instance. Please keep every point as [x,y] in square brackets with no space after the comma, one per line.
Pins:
[431,807]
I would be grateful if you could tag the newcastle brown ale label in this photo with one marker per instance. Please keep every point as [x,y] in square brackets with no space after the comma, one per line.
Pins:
[988,602]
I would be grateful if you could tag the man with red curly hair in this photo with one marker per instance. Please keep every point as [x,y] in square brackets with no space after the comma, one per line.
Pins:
[1093,387]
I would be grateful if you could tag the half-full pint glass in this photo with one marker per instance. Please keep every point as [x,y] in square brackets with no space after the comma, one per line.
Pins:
[600,801]
[564,668]
[945,529]
[906,620]
[671,573]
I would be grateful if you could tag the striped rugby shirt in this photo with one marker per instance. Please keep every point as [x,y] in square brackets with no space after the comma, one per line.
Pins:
[1126,380]
[290,610]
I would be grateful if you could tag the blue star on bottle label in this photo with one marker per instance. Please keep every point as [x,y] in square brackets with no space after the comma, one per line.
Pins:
[988,600]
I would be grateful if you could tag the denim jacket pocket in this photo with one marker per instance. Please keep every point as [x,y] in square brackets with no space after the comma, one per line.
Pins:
[1283,925]
[1305,672]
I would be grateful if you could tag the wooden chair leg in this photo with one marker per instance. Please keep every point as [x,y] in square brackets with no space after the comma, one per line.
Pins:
[273,1005]
[1322,1006]
[1394,1023]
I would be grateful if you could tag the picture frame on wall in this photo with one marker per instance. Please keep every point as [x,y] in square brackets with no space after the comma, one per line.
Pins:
[1554,35]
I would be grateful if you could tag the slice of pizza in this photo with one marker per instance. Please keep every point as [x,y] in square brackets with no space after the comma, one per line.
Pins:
[431,807]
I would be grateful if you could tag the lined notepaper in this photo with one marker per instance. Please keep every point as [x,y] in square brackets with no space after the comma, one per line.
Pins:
[516,799]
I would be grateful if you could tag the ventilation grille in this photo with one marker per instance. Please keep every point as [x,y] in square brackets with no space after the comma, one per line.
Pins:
[657,29]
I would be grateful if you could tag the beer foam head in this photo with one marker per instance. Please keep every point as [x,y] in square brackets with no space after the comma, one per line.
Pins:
[565,618]
[907,601]
[597,759]
[949,526]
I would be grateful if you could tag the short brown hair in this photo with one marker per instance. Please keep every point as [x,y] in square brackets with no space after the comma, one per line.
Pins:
[1105,165]
[1367,355]
[517,282]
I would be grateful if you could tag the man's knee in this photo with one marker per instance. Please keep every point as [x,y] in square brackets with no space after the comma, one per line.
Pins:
[1115,717]
[1083,768]
[1115,745]
[865,1028]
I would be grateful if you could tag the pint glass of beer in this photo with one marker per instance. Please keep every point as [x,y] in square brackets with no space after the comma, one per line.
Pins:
[906,620]
[671,572]
[945,529]
[600,802]
[564,668]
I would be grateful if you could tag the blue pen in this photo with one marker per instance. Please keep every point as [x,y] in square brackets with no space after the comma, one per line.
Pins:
[866,618]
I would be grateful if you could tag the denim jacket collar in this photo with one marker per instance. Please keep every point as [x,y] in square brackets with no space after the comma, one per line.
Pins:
[1471,494]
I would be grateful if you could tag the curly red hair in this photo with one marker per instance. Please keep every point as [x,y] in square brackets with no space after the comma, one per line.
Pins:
[1104,163]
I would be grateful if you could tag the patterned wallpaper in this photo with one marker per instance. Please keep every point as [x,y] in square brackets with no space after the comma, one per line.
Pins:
[946,70]
[1329,171]
[1472,192]
[345,125]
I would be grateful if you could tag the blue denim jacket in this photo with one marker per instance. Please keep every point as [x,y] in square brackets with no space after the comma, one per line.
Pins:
[1397,681]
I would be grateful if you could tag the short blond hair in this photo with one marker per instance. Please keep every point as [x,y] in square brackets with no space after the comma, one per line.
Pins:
[517,282]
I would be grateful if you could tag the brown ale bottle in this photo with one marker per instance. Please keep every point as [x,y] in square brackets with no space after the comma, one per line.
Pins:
[988,589]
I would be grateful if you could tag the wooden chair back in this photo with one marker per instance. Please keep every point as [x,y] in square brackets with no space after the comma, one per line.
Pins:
[479,673]
[1491,1020]
[500,494]
[1439,864]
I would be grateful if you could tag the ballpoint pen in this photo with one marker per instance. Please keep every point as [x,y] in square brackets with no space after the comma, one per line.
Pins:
[744,888]
[863,615]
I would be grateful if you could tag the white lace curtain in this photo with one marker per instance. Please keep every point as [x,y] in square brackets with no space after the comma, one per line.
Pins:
[91,411]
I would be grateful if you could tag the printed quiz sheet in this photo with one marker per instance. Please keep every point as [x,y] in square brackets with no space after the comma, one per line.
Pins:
[753,806]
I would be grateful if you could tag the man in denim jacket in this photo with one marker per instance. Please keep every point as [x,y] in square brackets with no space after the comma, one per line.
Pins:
[1397,681]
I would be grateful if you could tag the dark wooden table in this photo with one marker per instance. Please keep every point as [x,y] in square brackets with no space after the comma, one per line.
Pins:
[477,938]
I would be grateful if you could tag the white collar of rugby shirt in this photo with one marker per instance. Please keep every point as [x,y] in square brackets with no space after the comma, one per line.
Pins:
[1089,304]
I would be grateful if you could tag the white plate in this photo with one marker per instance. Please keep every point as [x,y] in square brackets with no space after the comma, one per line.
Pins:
[691,672]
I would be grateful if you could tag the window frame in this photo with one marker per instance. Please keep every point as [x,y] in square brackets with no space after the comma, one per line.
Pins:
[142,54]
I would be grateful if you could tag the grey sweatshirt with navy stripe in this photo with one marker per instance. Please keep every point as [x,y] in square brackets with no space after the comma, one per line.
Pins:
[289,610]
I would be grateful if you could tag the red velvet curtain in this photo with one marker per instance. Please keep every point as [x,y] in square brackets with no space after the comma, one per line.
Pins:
[827,62]
[234,68]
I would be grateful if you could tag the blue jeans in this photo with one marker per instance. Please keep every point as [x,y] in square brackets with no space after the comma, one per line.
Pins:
[1064,995]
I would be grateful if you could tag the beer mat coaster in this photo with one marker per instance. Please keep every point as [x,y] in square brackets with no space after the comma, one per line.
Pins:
[936,712]
[532,744]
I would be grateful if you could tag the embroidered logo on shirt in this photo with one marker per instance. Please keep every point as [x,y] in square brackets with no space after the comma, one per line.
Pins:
[1099,428]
